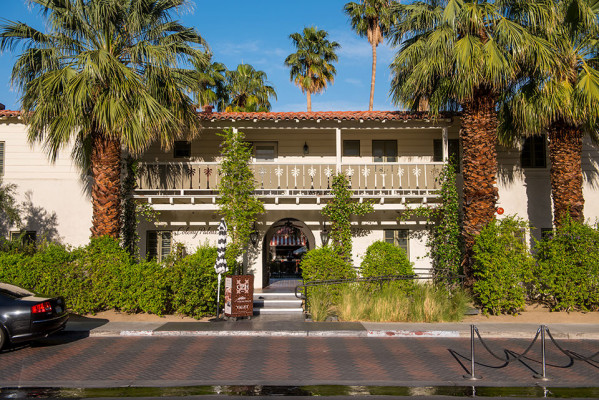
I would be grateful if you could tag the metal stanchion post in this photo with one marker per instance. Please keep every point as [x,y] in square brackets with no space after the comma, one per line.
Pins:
[472,376]
[543,377]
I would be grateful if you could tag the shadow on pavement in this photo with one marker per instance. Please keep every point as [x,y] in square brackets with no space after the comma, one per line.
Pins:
[88,322]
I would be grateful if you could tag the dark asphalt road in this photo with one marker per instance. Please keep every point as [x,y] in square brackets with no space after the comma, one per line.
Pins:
[81,362]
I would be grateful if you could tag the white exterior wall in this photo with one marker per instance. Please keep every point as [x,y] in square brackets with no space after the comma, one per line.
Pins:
[197,221]
[62,204]
[526,192]
[59,205]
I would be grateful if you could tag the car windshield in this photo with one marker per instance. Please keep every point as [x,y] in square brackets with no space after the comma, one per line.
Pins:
[14,291]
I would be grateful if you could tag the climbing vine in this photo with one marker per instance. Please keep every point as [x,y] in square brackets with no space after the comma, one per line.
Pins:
[237,203]
[443,236]
[340,210]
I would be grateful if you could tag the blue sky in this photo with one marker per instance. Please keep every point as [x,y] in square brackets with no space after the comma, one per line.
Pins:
[257,33]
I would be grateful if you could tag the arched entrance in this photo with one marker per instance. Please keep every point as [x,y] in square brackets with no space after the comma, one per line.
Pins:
[284,245]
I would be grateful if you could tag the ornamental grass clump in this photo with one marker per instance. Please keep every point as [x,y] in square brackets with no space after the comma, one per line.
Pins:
[422,303]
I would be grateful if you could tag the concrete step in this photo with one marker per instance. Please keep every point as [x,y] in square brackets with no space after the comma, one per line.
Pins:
[277,303]
[278,311]
[275,295]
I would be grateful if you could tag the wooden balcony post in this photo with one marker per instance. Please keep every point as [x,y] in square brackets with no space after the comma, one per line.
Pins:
[445,145]
[338,148]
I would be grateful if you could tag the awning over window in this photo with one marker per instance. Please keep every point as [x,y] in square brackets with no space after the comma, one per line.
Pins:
[288,236]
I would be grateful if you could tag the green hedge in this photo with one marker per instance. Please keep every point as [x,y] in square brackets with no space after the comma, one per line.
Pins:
[502,267]
[566,276]
[102,276]
[383,258]
[324,263]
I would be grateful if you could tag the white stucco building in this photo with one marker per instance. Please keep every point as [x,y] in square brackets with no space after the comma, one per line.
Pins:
[391,158]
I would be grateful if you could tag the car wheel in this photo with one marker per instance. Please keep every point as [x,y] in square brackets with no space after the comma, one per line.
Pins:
[3,337]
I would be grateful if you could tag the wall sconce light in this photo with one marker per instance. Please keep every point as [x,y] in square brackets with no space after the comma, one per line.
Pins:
[306,148]
[324,234]
[254,235]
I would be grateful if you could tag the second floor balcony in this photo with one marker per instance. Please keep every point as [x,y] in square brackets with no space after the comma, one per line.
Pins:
[278,183]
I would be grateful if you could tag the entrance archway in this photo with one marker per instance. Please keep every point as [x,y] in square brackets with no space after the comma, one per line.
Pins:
[284,245]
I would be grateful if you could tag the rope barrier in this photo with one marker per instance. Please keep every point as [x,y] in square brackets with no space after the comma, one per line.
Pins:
[541,331]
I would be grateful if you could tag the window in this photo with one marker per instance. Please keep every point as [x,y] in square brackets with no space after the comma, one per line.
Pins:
[546,233]
[399,238]
[265,151]
[158,244]
[384,150]
[182,149]
[1,158]
[351,148]
[533,152]
[453,149]
[26,237]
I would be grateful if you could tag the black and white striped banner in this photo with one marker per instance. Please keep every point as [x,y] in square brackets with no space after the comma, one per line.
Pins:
[221,262]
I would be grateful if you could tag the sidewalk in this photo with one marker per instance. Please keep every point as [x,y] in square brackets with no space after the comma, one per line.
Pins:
[277,326]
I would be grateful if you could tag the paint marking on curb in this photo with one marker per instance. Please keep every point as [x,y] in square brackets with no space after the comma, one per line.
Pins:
[136,333]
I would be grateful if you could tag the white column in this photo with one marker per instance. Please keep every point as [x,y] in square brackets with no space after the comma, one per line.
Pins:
[445,145]
[235,130]
[338,148]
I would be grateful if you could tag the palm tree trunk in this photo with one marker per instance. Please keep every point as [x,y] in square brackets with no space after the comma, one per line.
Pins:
[479,142]
[373,77]
[565,153]
[308,95]
[106,186]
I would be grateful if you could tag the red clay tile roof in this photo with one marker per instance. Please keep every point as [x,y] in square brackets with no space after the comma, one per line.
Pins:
[317,115]
[305,116]
[9,113]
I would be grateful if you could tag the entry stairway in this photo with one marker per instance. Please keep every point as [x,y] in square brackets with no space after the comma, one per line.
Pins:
[278,299]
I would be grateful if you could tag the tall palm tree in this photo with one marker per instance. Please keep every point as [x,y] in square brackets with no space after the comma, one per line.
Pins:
[462,54]
[564,101]
[371,19]
[248,90]
[211,80]
[312,65]
[105,77]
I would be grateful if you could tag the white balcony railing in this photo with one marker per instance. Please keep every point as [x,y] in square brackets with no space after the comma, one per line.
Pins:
[202,178]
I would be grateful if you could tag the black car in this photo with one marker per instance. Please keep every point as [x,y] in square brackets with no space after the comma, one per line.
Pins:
[25,316]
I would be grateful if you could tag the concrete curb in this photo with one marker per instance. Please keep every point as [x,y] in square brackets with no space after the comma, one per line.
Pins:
[339,333]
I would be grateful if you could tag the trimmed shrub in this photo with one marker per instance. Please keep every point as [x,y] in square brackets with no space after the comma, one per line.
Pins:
[502,267]
[324,263]
[383,258]
[98,276]
[566,276]
[194,283]
[102,276]
[41,271]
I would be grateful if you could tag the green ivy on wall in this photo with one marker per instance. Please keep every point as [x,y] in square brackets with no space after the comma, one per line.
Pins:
[237,203]
[340,210]
[443,236]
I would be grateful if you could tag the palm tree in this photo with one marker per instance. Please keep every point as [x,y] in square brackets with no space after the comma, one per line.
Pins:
[371,19]
[564,101]
[106,78]
[211,79]
[311,66]
[463,54]
[247,90]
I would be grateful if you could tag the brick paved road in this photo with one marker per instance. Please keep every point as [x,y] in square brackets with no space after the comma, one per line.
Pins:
[176,361]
